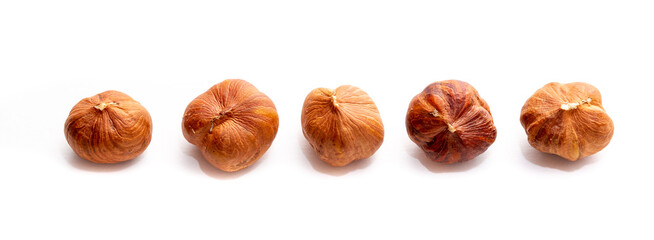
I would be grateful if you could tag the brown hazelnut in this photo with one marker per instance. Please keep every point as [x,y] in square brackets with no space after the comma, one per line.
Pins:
[342,125]
[109,127]
[567,120]
[232,123]
[450,122]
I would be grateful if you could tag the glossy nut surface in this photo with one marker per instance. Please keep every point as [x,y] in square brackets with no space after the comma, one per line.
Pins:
[450,122]
[342,125]
[232,123]
[567,120]
[109,127]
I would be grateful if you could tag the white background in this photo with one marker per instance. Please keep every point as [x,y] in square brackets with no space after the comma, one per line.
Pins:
[165,53]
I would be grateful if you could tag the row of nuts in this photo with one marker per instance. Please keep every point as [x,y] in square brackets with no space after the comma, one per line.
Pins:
[233,124]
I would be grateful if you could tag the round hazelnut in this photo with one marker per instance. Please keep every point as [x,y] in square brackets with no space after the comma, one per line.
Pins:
[232,123]
[342,125]
[450,122]
[567,120]
[109,127]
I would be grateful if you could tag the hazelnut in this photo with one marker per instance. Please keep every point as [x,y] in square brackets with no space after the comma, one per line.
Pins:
[109,127]
[232,123]
[342,125]
[450,122]
[567,120]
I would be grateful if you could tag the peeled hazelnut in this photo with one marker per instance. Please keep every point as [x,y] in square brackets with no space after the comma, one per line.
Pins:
[109,127]
[232,123]
[450,122]
[567,120]
[342,125]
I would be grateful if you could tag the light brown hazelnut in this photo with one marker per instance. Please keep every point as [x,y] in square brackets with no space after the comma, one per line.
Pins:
[567,120]
[450,122]
[342,125]
[232,123]
[109,127]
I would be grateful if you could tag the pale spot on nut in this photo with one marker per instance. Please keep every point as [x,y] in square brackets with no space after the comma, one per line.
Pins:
[568,106]
[334,101]
[102,106]
[451,128]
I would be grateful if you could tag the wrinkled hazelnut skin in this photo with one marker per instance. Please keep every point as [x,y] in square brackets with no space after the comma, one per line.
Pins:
[232,123]
[567,120]
[450,122]
[109,127]
[342,125]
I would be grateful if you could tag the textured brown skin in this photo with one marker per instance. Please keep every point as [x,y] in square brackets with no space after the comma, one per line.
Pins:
[572,134]
[232,123]
[342,125]
[119,132]
[458,104]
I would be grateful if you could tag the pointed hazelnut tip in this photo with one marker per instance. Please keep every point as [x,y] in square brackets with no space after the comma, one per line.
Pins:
[568,106]
[102,106]
[451,128]
[333,100]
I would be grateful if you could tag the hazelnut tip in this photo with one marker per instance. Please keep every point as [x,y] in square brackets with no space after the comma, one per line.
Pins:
[334,101]
[451,128]
[222,113]
[568,106]
[102,106]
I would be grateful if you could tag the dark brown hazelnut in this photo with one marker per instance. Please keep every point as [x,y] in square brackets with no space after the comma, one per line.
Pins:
[567,120]
[232,123]
[450,122]
[342,125]
[109,127]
